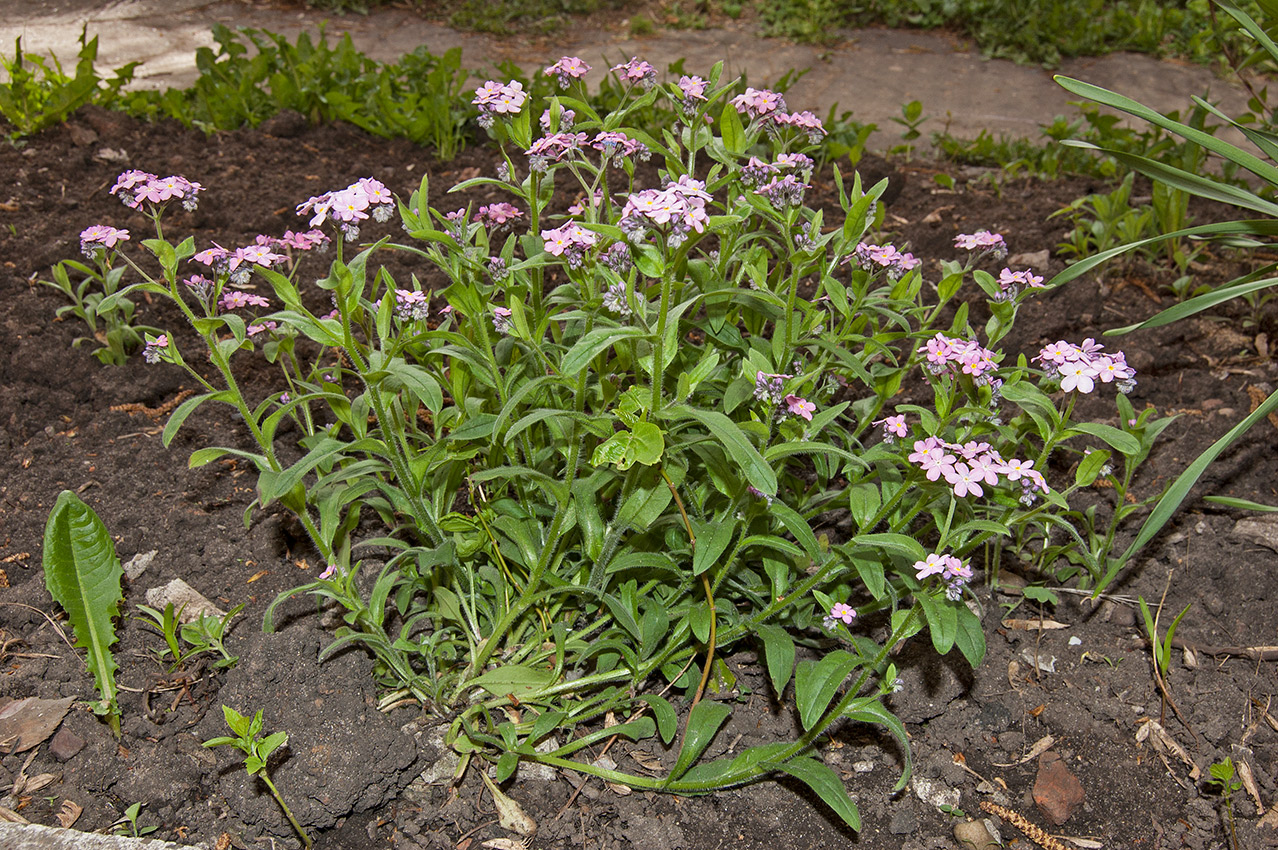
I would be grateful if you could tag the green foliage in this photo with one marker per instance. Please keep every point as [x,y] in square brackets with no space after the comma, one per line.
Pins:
[127,823]
[1037,31]
[38,94]
[507,17]
[110,324]
[1197,181]
[257,752]
[204,635]
[620,452]
[82,574]
[417,98]
[1160,646]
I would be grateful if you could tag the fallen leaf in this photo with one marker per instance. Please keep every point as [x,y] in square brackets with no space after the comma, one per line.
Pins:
[505,844]
[1165,744]
[257,576]
[646,760]
[10,816]
[510,815]
[935,215]
[70,814]
[1041,746]
[1085,843]
[25,723]
[1248,780]
[1033,625]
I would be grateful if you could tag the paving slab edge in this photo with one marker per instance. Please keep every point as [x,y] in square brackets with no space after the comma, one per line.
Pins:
[33,836]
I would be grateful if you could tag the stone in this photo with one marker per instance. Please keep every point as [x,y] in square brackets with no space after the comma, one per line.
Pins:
[186,600]
[32,836]
[65,745]
[1057,792]
[137,565]
[1261,530]
[935,792]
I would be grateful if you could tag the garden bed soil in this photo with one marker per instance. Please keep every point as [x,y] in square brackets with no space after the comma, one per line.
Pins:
[358,777]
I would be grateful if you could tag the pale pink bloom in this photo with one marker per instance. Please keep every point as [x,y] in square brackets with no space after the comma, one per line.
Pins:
[932,565]
[965,480]
[1077,376]
[233,298]
[102,234]
[843,611]
[800,406]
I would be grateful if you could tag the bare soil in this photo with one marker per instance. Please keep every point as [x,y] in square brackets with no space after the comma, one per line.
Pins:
[354,775]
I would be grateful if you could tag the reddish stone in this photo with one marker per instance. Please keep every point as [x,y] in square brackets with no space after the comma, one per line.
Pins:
[1057,792]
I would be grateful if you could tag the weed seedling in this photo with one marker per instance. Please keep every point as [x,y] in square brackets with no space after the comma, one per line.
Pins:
[127,823]
[256,753]
[1161,649]
[1223,776]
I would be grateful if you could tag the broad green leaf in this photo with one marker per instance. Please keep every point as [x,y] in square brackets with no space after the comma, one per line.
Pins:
[644,443]
[970,638]
[1089,468]
[816,682]
[1117,439]
[592,344]
[942,621]
[757,471]
[664,713]
[778,655]
[712,539]
[826,783]
[82,574]
[703,722]
[514,679]
[892,542]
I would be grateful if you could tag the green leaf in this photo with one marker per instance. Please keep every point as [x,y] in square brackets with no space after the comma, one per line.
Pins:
[970,638]
[826,783]
[757,471]
[514,679]
[1089,468]
[644,443]
[703,722]
[712,539]
[82,574]
[942,621]
[892,542]
[816,682]
[592,344]
[731,130]
[416,380]
[1117,439]
[778,654]
[664,713]
[1240,504]
[870,710]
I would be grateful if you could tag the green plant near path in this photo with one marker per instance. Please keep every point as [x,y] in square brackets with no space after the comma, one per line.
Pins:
[82,574]
[1243,233]
[613,445]
[39,94]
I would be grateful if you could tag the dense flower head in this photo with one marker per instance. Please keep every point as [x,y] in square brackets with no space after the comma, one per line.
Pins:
[637,71]
[1010,283]
[618,257]
[952,571]
[254,330]
[134,188]
[756,172]
[759,103]
[571,241]
[501,319]
[566,119]
[804,121]
[872,258]
[156,348]
[958,356]
[769,387]
[614,299]
[200,285]
[784,191]
[681,205]
[350,206]
[234,298]
[1079,367]
[692,88]
[500,214]
[970,467]
[554,148]
[304,241]
[99,237]
[618,146]
[567,69]
[982,241]
[493,98]
[411,304]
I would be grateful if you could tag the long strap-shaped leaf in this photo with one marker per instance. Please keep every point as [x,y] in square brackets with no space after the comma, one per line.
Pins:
[82,573]
[1249,161]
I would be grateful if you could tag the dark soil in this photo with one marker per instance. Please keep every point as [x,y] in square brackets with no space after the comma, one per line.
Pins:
[359,777]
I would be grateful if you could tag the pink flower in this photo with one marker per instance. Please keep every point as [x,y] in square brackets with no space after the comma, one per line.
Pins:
[637,71]
[759,103]
[329,571]
[497,214]
[98,236]
[843,611]
[254,330]
[932,565]
[233,298]
[1077,376]
[154,351]
[982,239]
[1015,468]
[501,319]
[567,69]
[800,406]
[693,88]
[965,480]
[893,426]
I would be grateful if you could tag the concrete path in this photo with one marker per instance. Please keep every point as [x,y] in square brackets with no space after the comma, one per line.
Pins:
[872,72]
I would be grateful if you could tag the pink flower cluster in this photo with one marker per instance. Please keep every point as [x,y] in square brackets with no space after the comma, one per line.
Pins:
[411,304]
[1010,283]
[894,428]
[784,192]
[567,69]
[759,103]
[566,118]
[952,571]
[238,264]
[234,298]
[350,206]
[500,215]
[872,258]
[756,172]
[493,98]
[618,146]
[681,204]
[968,466]
[692,88]
[554,148]
[804,121]
[982,241]
[155,348]
[99,237]
[637,71]
[571,241]
[1079,367]
[133,188]
[958,356]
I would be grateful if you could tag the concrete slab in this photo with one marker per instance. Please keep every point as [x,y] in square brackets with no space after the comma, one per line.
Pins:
[15,836]
[872,72]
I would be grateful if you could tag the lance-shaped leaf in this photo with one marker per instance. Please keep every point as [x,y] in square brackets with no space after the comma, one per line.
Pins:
[82,573]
